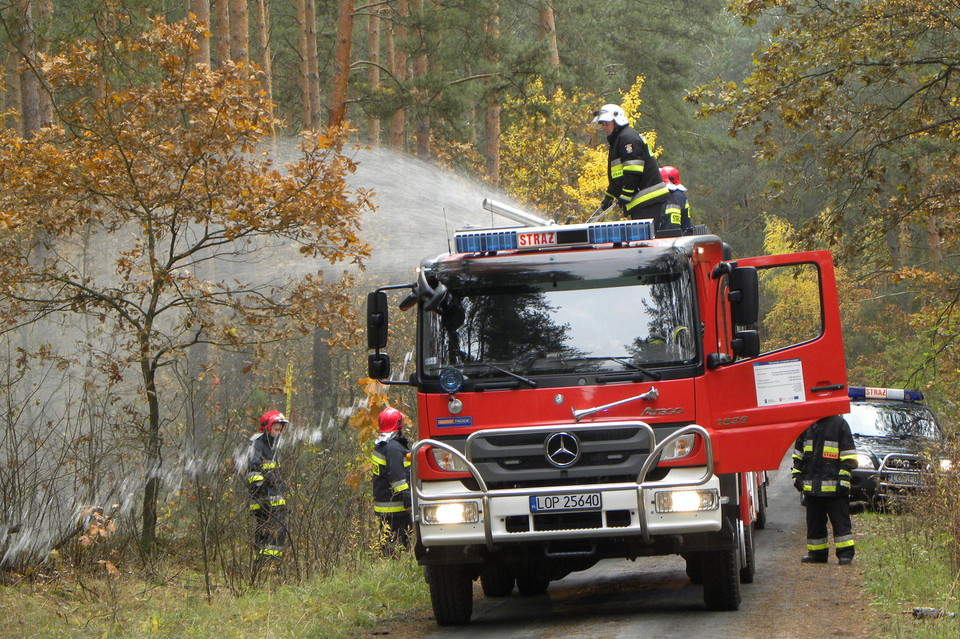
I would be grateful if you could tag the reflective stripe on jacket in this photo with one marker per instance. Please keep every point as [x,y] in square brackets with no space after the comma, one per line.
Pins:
[391,475]
[823,458]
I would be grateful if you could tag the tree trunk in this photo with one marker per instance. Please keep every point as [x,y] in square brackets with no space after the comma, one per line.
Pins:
[491,120]
[373,71]
[933,238]
[153,460]
[44,22]
[201,9]
[547,31]
[420,65]
[239,31]
[341,64]
[398,68]
[261,16]
[27,80]
[221,11]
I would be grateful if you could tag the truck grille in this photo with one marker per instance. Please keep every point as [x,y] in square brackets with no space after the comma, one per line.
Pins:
[518,459]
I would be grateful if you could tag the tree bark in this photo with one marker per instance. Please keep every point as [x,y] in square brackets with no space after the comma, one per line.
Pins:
[420,65]
[27,80]
[933,238]
[341,64]
[398,68]
[44,22]
[547,31]
[201,9]
[221,11]
[373,71]
[239,31]
[491,120]
[261,17]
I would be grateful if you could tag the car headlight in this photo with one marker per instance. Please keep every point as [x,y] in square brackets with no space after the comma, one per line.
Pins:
[454,512]
[865,461]
[685,501]
[448,461]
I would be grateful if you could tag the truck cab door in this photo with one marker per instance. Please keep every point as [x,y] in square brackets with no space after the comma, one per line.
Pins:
[759,399]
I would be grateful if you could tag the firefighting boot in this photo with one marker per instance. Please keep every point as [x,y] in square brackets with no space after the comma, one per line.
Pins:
[814,559]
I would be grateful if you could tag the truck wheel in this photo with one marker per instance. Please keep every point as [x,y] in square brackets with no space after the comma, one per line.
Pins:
[721,579]
[451,593]
[531,585]
[694,567]
[749,567]
[496,580]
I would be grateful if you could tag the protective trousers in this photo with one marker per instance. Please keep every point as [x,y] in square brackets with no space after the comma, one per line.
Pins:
[394,532]
[270,533]
[837,509]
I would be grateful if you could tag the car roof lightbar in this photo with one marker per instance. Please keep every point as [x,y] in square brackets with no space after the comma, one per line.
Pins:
[561,235]
[900,394]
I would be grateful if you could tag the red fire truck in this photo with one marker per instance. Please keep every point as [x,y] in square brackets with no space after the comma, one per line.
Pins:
[590,391]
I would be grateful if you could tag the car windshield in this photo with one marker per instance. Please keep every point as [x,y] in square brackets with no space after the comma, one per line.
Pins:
[893,420]
[581,318]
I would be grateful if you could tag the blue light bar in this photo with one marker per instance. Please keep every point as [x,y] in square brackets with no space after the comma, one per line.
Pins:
[553,235]
[630,231]
[486,240]
[899,394]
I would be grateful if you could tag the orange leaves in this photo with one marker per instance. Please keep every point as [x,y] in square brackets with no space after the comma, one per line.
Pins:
[98,528]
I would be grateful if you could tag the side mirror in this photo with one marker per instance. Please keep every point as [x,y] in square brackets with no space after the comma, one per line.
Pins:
[378,366]
[746,344]
[744,295]
[377,320]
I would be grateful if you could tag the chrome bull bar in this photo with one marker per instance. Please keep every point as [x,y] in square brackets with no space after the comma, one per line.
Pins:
[485,493]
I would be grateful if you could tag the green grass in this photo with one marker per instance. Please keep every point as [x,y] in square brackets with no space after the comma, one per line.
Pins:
[905,566]
[343,605]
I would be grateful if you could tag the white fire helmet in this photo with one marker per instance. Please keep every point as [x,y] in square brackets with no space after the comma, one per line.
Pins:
[609,112]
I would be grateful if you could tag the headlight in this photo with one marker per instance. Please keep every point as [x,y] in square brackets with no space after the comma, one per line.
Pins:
[681,447]
[448,461]
[460,512]
[686,501]
[865,461]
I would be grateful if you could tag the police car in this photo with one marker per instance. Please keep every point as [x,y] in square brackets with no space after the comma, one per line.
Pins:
[894,431]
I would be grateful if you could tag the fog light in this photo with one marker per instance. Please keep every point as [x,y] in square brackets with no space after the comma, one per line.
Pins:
[461,512]
[687,501]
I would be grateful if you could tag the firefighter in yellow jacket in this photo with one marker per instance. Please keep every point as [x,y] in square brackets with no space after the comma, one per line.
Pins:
[391,482]
[824,457]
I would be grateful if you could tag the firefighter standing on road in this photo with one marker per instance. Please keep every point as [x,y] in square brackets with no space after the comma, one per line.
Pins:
[634,176]
[823,458]
[391,482]
[266,491]
[676,212]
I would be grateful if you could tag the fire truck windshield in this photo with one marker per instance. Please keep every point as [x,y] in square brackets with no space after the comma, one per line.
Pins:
[549,318]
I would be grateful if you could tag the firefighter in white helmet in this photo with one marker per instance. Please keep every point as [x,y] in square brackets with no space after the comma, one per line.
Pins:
[391,482]
[633,175]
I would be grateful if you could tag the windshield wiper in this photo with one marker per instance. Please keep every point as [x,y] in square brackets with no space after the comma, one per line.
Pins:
[651,374]
[525,380]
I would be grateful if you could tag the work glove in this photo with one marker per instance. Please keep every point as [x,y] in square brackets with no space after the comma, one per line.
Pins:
[623,200]
[606,203]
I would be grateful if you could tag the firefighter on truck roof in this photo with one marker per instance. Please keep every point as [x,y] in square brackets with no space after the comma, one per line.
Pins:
[391,482]
[634,176]
[676,212]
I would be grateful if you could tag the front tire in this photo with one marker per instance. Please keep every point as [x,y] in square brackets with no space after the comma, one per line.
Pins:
[531,585]
[749,568]
[451,593]
[496,580]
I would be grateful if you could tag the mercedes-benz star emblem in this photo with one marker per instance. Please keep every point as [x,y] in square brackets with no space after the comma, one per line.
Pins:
[562,449]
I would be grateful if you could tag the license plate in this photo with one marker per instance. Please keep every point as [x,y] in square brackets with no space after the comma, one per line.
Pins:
[904,479]
[574,501]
